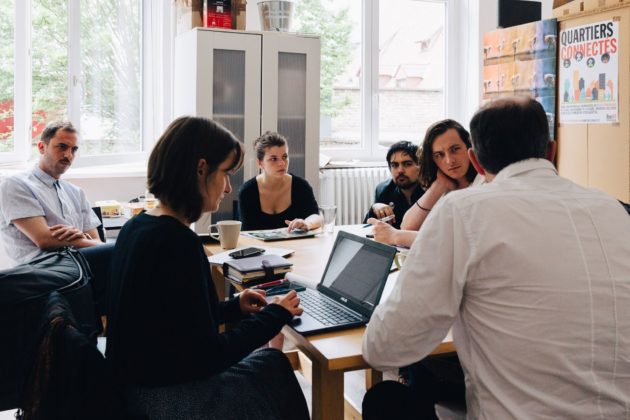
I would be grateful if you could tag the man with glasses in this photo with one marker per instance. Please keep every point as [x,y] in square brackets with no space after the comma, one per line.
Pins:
[393,197]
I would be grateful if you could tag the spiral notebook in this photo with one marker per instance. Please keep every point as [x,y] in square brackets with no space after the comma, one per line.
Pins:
[278,234]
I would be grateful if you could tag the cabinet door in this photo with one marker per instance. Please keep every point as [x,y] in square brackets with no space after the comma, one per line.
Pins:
[228,91]
[290,98]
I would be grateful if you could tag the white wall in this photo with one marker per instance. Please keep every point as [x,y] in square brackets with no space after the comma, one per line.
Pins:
[122,189]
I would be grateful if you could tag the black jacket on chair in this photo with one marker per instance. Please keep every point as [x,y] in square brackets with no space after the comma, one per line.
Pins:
[69,377]
[24,291]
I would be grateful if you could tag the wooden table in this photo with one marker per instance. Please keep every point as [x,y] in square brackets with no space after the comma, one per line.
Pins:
[332,353]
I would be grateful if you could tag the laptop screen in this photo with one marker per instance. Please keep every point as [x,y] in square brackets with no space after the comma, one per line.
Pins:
[357,270]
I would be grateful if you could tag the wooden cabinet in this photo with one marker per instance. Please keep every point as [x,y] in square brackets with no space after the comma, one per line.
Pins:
[252,82]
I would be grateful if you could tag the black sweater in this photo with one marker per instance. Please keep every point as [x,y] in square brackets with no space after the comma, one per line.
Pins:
[164,312]
[303,204]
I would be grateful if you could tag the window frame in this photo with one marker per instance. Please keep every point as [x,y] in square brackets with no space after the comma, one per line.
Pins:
[151,119]
[453,106]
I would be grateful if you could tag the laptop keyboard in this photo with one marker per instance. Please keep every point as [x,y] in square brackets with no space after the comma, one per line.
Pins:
[323,310]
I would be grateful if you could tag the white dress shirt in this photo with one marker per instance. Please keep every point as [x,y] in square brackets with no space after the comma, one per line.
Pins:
[533,273]
[35,193]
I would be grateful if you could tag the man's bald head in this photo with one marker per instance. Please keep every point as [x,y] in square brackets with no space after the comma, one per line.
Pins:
[508,130]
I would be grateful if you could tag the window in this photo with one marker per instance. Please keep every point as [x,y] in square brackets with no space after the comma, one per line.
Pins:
[6,76]
[111,82]
[85,65]
[383,75]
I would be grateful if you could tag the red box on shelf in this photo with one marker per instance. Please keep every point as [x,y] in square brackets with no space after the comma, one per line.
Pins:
[219,14]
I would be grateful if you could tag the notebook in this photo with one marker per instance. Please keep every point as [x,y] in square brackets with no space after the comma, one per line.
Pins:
[260,267]
[279,234]
[350,288]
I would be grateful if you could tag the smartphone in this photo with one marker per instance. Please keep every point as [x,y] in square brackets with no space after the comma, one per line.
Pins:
[283,289]
[246,252]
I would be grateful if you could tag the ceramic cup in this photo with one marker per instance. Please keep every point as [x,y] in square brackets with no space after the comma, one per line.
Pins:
[227,233]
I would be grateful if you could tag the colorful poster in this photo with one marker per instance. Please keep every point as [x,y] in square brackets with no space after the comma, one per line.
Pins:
[589,69]
[521,60]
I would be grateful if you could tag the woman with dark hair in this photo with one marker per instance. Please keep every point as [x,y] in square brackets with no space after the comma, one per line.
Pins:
[444,167]
[164,346]
[275,198]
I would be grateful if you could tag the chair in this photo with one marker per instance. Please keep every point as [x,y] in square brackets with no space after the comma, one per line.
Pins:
[69,378]
[235,214]
[100,228]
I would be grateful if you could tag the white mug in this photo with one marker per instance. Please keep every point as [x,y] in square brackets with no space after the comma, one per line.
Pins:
[228,232]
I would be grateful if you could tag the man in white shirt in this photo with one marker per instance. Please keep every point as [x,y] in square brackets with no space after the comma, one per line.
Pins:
[39,212]
[531,271]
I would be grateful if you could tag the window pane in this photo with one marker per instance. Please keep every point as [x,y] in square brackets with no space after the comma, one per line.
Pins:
[338,23]
[111,65]
[49,63]
[6,75]
[411,68]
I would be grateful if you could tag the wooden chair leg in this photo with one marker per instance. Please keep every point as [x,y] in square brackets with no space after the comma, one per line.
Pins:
[372,377]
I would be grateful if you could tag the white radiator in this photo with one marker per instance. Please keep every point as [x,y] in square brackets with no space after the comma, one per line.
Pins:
[351,190]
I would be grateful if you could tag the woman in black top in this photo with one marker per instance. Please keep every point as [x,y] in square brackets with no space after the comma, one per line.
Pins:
[164,345]
[276,198]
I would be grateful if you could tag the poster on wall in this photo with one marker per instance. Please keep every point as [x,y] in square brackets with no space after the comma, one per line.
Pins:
[521,60]
[589,70]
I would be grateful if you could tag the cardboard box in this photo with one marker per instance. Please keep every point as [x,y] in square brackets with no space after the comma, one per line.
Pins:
[189,14]
[563,8]
[238,14]
[590,5]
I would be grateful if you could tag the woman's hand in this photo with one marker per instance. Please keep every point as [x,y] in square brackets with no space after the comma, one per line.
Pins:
[290,302]
[444,183]
[383,232]
[252,300]
[297,224]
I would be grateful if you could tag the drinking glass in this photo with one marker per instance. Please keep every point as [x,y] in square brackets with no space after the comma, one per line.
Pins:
[329,214]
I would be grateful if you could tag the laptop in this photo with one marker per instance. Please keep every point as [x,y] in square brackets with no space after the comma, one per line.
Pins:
[350,288]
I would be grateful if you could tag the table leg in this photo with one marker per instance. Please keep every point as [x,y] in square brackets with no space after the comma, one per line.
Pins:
[372,377]
[220,282]
[327,393]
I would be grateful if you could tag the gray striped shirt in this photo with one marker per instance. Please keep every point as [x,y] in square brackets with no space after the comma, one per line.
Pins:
[35,193]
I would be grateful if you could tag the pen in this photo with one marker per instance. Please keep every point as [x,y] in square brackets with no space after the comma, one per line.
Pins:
[384,219]
[271,283]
